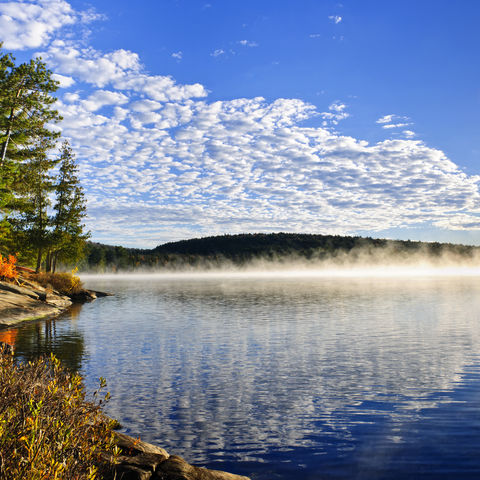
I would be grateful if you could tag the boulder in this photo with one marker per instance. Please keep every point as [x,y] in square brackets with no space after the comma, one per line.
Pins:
[83,296]
[130,472]
[176,468]
[134,446]
[144,461]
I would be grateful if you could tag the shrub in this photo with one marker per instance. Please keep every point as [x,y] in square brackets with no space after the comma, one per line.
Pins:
[64,283]
[7,268]
[47,428]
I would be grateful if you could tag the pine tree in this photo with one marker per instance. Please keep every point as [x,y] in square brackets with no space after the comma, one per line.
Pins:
[31,221]
[69,211]
[26,115]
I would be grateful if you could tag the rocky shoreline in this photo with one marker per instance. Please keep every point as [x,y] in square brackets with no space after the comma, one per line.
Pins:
[144,461]
[138,460]
[28,302]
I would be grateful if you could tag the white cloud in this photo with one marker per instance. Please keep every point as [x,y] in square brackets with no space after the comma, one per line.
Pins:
[247,165]
[385,119]
[145,106]
[335,18]
[31,25]
[120,68]
[63,80]
[387,123]
[248,43]
[335,114]
[177,55]
[159,161]
[395,125]
[459,222]
[337,107]
[71,97]
[101,98]
[217,52]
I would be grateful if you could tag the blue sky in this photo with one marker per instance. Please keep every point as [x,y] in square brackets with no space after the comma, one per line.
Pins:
[191,118]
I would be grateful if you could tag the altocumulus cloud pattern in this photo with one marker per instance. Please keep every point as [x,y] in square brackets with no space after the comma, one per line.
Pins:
[159,161]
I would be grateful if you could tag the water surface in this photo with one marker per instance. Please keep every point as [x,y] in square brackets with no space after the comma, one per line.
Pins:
[290,378]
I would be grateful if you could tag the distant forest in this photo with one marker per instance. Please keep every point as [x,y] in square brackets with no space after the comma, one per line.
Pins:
[241,250]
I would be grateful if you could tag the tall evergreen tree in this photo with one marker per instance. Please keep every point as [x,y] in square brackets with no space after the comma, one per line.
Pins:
[69,211]
[26,115]
[31,221]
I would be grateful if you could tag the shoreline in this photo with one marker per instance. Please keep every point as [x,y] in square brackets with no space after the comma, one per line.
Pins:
[26,303]
[139,460]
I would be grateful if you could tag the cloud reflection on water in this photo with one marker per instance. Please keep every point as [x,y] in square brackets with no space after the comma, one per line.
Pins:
[229,367]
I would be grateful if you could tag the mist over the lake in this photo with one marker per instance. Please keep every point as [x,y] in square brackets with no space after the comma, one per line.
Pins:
[359,262]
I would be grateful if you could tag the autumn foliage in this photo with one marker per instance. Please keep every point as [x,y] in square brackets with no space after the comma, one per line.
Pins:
[64,283]
[48,430]
[7,268]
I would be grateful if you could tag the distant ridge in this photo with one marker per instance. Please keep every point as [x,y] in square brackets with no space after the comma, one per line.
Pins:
[243,248]
[263,243]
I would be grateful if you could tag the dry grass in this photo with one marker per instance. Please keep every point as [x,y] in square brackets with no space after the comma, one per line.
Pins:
[47,428]
[64,283]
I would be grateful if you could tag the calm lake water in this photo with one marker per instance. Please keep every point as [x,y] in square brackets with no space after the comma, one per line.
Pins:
[292,378]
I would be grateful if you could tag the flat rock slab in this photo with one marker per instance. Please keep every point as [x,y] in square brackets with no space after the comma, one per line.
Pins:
[18,304]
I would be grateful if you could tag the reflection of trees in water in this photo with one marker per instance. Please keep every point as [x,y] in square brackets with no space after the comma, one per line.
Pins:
[52,336]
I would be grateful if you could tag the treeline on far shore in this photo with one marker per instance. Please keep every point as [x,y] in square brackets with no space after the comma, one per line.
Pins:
[244,249]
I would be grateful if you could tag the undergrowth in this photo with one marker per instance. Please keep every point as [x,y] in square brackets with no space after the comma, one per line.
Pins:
[48,430]
[64,283]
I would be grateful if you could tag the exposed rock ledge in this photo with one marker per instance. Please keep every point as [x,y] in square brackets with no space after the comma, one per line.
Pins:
[143,461]
[30,301]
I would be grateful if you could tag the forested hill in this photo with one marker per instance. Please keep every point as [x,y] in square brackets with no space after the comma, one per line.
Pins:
[211,252]
[246,246]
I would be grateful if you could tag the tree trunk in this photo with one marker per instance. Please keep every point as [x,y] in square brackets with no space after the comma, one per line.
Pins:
[10,122]
[55,261]
[39,260]
[48,262]
[5,143]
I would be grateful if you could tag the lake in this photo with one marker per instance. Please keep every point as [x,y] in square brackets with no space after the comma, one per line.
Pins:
[286,377]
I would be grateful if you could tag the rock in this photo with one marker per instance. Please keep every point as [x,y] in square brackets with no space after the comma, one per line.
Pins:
[101,294]
[176,468]
[60,301]
[83,296]
[130,472]
[10,287]
[143,461]
[17,306]
[136,446]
